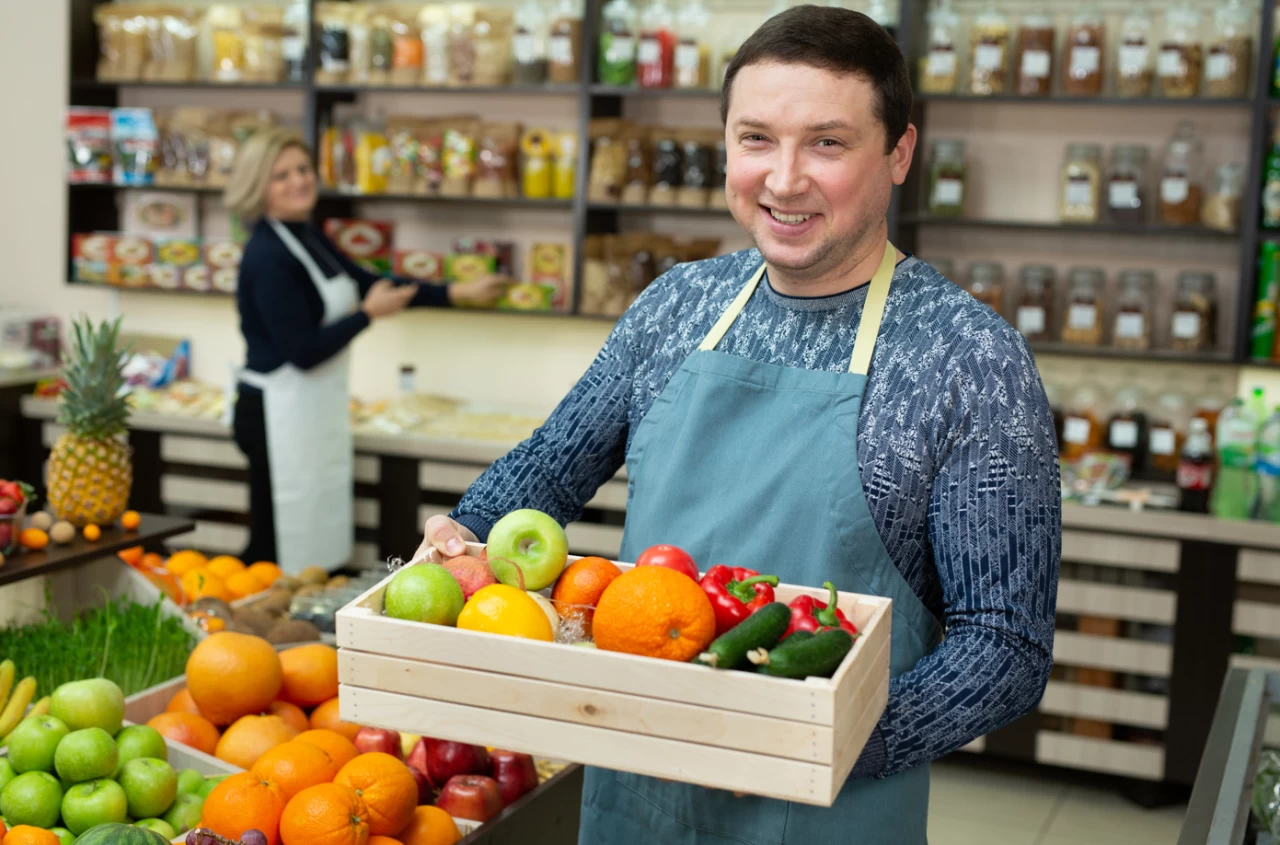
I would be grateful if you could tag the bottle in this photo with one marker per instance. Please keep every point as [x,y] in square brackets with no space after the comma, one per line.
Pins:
[1237,440]
[617,59]
[1167,430]
[1195,469]
[1271,184]
[656,50]
[1268,469]
[1127,428]
[1262,338]
[1258,405]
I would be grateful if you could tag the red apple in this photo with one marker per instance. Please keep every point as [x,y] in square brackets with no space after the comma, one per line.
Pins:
[515,773]
[8,505]
[446,760]
[472,574]
[10,489]
[6,534]
[473,797]
[425,790]
[417,759]
[376,739]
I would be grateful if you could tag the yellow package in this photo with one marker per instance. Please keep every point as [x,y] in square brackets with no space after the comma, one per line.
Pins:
[373,163]
[536,147]
[565,166]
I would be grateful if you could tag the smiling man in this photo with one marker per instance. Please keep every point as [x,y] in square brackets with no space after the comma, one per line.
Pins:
[822,407]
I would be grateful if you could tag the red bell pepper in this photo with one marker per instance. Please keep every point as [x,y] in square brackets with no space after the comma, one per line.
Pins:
[736,593]
[809,614]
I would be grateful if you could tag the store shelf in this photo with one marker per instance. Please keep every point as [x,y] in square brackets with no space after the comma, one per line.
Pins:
[517,202]
[1144,229]
[166,189]
[658,209]
[1166,356]
[29,564]
[636,91]
[1063,99]
[1269,234]
[213,294]
[99,85]
[571,89]
[1258,362]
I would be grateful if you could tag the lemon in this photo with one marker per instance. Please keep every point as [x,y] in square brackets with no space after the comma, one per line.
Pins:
[499,609]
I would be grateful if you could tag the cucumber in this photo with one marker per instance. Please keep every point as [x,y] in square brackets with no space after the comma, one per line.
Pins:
[761,629]
[815,657]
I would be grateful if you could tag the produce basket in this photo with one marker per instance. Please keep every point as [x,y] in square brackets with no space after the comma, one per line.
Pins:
[678,721]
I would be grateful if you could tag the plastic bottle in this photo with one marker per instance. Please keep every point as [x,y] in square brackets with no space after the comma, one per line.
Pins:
[1268,469]
[1235,489]
[1195,468]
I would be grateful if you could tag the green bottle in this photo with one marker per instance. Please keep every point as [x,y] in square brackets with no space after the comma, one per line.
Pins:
[1271,184]
[1263,336]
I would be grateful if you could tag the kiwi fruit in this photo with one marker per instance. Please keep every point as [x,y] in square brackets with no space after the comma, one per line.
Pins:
[292,631]
[308,590]
[41,520]
[314,575]
[287,582]
[252,621]
[213,607]
[337,582]
[62,533]
[275,603]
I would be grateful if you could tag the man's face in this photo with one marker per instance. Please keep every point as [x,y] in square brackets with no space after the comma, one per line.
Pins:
[807,173]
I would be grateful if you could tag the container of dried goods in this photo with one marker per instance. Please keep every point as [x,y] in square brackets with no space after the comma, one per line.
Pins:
[1195,314]
[1181,189]
[1230,53]
[608,160]
[1132,327]
[1127,427]
[948,173]
[656,50]
[940,66]
[1135,59]
[668,167]
[436,29]
[564,46]
[1036,302]
[334,53]
[1082,428]
[1181,61]
[1222,205]
[1081,180]
[989,52]
[1166,430]
[1034,60]
[1083,323]
[693,49]
[1126,184]
[1083,65]
[617,54]
[986,284]
[529,44]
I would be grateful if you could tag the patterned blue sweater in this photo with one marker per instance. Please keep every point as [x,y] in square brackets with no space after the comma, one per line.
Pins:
[956,449]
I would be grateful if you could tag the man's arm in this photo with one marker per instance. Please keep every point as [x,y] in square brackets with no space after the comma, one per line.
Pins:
[995,524]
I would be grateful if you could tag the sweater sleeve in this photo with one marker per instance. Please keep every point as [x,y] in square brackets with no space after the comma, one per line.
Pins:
[282,302]
[428,295]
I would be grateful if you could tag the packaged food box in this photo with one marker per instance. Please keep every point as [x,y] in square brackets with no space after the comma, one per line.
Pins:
[196,277]
[223,254]
[88,136]
[165,276]
[794,740]
[421,264]
[132,250]
[224,279]
[502,252]
[178,252]
[91,256]
[135,146]
[467,267]
[366,242]
[528,296]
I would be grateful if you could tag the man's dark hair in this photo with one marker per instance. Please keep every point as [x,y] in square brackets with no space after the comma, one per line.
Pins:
[837,40]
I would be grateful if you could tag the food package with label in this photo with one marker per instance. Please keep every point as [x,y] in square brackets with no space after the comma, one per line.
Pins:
[136,147]
[366,242]
[130,256]
[88,145]
[549,264]
[91,257]
[502,252]
[420,264]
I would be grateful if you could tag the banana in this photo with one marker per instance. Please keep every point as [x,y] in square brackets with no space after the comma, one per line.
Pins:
[17,705]
[40,708]
[7,669]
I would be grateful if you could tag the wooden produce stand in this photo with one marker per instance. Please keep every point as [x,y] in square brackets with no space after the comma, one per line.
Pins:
[152,531]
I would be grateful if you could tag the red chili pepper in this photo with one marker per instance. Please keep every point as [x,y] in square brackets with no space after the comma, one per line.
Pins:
[736,593]
[809,614]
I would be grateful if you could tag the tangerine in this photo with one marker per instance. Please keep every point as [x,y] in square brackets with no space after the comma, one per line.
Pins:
[130,520]
[224,566]
[189,729]
[243,802]
[250,737]
[387,788]
[337,746]
[180,563]
[291,713]
[580,587]
[25,834]
[325,717]
[244,584]
[182,702]
[232,675]
[383,840]
[92,533]
[327,814]
[655,612]
[203,584]
[34,539]
[310,674]
[266,572]
[430,826]
[295,766]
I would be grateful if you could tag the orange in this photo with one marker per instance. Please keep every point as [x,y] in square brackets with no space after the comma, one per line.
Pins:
[224,566]
[25,834]
[182,703]
[655,612]
[92,533]
[325,718]
[266,572]
[151,560]
[232,675]
[310,674]
[328,814]
[180,563]
[242,584]
[164,581]
[387,788]
[203,584]
[291,713]
[243,802]
[430,826]
[499,609]
[337,746]
[33,538]
[294,766]
[580,587]
[130,520]
[132,555]
[250,737]
[383,840]
[189,729]
[3,830]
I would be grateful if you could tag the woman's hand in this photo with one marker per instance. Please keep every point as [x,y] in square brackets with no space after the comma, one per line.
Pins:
[481,293]
[444,538]
[386,298]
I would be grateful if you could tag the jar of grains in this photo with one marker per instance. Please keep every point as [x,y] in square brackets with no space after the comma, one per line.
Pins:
[1126,184]
[1181,62]
[940,66]
[1181,189]
[1083,64]
[986,284]
[1230,54]
[989,52]
[1081,178]
[1034,61]
[1135,72]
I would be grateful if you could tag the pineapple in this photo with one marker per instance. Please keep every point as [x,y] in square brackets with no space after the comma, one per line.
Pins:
[90,473]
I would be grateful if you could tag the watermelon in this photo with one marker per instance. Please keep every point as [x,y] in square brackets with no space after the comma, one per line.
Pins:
[120,834]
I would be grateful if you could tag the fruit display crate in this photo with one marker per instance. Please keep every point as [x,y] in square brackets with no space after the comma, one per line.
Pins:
[677,721]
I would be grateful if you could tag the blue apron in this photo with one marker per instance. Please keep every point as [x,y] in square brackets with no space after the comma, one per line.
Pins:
[756,465]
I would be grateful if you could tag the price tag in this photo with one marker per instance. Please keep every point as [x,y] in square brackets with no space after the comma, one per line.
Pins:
[650,51]
[948,192]
[988,57]
[1133,59]
[560,50]
[1124,434]
[941,63]
[524,48]
[1174,190]
[1122,193]
[1218,67]
[1186,325]
[688,57]
[1130,326]
[1085,60]
[1075,430]
[1030,319]
[1079,192]
[622,49]
[1082,317]
[1164,441]
[1036,63]
[1170,63]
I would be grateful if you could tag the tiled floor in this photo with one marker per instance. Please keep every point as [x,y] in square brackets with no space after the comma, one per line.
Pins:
[975,804]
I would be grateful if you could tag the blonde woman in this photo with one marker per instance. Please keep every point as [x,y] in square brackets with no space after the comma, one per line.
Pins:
[301,303]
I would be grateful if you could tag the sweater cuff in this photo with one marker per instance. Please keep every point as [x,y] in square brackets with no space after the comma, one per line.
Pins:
[431,296]
[478,524]
[872,760]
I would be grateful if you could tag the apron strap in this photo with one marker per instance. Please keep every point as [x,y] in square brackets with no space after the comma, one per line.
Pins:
[722,326]
[299,252]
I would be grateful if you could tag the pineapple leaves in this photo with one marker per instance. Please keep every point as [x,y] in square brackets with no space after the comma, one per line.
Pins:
[94,404]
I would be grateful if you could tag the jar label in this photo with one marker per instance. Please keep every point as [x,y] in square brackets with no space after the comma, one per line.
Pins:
[1124,434]
[1186,325]
[1218,67]
[1076,430]
[1171,63]
[1085,60]
[524,48]
[1036,63]
[560,50]
[650,51]
[988,57]
[1174,190]
[948,192]
[1082,317]
[1164,441]
[621,50]
[1122,193]
[1031,319]
[1195,476]
[1133,59]
[1130,326]
[1079,192]
[941,63]
[688,57]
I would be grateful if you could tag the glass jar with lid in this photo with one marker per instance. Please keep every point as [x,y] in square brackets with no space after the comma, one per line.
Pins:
[1083,64]
[1082,426]
[947,175]
[1181,61]
[618,24]
[1035,302]
[1223,203]
[989,52]
[1126,184]
[940,66]
[529,44]
[986,284]
[1081,178]
[564,45]
[656,49]
[1132,328]
[1127,427]
[1083,323]
[1181,188]
[1194,323]
[1033,63]
[1167,429]
[1230,54]
[693,49]
[1135,55]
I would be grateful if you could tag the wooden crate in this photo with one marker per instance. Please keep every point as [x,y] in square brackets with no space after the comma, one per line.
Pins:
[794,740]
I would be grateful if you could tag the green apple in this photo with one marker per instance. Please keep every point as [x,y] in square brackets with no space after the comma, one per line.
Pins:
[185,813]
[150,785]
[84,755]
[424,592]
[90,804]
[95,703]
[32,798]
[65,837]
[160,826]
[34,742]
[533,541]
[6,772]
[138,741]
[189,782]
[209,784]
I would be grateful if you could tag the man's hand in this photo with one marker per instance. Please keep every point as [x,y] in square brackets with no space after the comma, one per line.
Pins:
[443,538]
